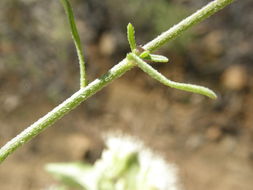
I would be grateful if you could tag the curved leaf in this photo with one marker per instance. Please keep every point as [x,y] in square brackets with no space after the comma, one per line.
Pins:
[162,79]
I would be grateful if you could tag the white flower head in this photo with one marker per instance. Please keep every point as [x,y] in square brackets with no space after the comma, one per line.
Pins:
[157,172]
[126,164]
[154,172]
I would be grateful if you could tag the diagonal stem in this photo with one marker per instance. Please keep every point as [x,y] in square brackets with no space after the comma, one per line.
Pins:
[118,70]
[62,109]
[185,24]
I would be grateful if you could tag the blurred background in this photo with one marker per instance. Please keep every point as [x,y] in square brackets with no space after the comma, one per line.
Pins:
[209,141]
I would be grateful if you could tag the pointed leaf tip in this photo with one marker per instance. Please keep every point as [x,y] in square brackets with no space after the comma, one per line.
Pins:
[131,36]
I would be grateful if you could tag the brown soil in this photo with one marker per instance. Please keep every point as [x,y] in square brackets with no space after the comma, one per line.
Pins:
[209,141]
[209,148]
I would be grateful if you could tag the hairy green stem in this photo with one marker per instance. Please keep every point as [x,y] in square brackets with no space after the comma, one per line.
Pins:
[188,22]
[66,106]
[98,84]
[77,41]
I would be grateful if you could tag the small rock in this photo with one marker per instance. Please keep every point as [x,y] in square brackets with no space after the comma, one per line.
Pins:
[234,77]
[107,44]
[251,156]
[11,103]
[229,144]
[213,43]
[194,142]
[213,133]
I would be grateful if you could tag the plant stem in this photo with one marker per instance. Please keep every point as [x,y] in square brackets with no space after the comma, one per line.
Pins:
[66,106]
[162,79]
[188,22]
[77,41]
[115,72]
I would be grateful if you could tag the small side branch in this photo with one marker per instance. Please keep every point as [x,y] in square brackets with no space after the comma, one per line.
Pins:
[77,41]
[162,79]
[111,75]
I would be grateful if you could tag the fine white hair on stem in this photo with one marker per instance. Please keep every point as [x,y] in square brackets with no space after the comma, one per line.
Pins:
[118,70]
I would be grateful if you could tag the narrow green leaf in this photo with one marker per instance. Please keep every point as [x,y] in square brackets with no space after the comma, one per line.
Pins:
[131,36]
[158,76]
[77,41]
[145,54]
[152,57]
[72,174]
[158,58]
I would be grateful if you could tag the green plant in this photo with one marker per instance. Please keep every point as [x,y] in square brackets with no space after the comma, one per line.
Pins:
[133,59]
[77,41]
[126,164]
